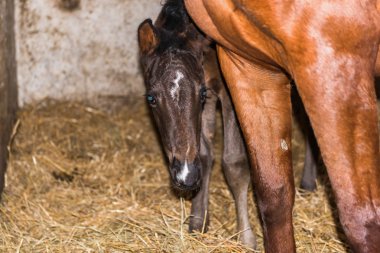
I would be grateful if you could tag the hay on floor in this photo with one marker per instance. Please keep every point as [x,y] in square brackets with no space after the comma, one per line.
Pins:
[93,179]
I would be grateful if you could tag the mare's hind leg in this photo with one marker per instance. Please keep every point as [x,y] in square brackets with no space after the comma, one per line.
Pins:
[236,169]
[199,218]
[339,97]
[262,104]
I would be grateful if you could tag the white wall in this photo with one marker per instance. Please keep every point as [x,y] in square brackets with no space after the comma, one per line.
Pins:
[81,53]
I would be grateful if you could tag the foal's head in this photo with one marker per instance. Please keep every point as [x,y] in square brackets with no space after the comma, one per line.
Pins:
[171,57]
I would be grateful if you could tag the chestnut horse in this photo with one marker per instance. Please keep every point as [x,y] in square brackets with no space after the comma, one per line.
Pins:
[329,48]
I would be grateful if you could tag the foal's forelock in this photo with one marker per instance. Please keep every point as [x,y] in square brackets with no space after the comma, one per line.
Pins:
[171,60]
[179,75]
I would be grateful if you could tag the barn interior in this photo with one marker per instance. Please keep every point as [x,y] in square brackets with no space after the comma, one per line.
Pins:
[85,170]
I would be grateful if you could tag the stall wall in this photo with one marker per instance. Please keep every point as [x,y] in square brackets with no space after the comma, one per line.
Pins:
[79,49]
[8,85]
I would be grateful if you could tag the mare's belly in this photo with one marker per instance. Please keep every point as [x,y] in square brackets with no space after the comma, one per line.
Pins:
[235,31]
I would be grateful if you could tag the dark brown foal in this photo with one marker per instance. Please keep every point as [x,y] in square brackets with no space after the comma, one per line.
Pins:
[183,97]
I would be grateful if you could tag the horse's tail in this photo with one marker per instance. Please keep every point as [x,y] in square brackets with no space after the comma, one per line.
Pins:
[173,16]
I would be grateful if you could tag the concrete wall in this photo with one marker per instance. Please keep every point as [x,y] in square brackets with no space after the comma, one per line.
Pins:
[78,49]
[8,85]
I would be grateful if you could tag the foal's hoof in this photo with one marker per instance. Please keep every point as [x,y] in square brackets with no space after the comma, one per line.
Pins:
[248,239]
[198,224]
[309,186]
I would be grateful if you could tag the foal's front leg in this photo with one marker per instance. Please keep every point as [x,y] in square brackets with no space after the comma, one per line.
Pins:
[236,169]
[199,218]
[262,103]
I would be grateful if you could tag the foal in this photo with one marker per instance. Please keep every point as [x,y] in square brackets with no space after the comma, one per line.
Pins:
[183,98]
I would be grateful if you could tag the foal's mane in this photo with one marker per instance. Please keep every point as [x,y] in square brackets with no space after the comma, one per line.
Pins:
[175,26]
[173,16]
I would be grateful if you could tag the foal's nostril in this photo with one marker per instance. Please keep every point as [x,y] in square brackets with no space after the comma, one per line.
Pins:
[176,164]
[175,167]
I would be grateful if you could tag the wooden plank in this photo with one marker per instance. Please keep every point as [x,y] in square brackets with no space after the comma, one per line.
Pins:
[8,82]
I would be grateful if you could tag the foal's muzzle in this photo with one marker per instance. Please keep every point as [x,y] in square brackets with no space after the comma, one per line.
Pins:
[185,176]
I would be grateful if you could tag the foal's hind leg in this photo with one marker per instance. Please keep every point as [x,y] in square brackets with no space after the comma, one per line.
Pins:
[309,176]
[236,169]
[199,218]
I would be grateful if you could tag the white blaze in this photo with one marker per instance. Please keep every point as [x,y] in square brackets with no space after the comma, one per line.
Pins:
[174,90]
[184,172]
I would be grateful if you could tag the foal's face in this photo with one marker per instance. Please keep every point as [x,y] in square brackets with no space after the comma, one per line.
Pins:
[176,93]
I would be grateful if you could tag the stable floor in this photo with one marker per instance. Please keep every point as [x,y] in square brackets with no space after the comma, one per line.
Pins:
[86,178]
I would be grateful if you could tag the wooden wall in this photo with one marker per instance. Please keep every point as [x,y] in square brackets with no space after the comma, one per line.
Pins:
[8,81]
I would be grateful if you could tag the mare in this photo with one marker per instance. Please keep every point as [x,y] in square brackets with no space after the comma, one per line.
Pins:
[184,84]
[330,49]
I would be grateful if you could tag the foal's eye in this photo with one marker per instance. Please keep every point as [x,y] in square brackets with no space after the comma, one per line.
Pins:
[151,99]
[203,94]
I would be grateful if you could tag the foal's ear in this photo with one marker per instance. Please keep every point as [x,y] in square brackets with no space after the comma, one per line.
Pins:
[148,37]
[203,43]
[197,41]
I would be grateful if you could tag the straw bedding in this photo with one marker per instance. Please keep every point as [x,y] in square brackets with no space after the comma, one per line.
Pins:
[85,178]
